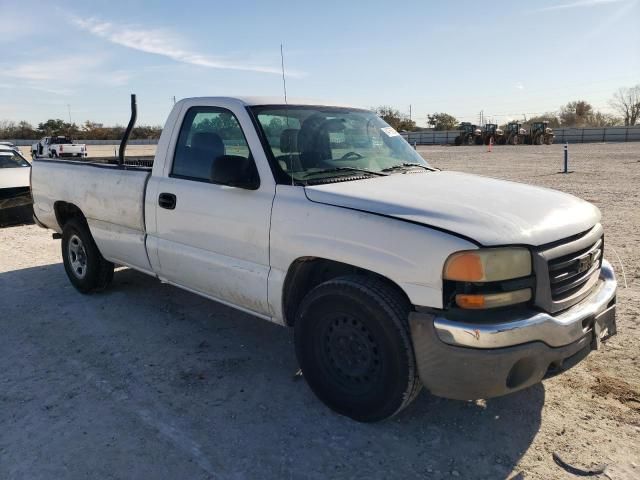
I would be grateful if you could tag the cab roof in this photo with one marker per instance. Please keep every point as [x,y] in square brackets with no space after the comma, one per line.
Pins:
[266,100]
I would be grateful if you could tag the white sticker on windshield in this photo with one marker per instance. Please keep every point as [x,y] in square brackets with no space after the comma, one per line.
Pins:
[390,132]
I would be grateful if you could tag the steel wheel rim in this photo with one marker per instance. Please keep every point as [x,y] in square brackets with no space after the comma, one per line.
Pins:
[77,256]
[351,355]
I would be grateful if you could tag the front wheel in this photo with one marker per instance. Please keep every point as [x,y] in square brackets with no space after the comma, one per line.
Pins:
[354,347]
[86,268]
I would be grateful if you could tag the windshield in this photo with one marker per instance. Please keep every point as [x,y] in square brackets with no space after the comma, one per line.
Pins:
[9,159]
[315,142]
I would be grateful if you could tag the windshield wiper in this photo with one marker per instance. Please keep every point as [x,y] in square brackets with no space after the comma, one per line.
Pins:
[406,166]
[344,169]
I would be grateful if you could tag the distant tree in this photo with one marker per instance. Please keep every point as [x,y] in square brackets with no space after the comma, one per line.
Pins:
[395,119]
[275,127]
[576,114]
[25,130]
[7,129]
[58,127]
[146,132]
[442,121]
[626,101]
[600,119]
[581,114]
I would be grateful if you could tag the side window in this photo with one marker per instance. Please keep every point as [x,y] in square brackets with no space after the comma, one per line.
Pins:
[207,134]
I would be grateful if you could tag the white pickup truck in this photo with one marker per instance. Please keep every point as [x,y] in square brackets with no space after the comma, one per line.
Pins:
[392,273]
[58,146]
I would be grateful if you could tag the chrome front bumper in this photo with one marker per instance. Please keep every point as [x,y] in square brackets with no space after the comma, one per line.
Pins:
[555,331]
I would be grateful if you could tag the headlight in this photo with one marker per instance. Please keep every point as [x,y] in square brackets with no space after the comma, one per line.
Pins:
[488,278]
[488,265]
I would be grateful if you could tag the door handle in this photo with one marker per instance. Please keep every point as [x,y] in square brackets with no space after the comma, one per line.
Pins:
[167,200]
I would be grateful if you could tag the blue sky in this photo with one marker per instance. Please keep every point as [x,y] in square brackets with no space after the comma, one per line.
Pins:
[504,57]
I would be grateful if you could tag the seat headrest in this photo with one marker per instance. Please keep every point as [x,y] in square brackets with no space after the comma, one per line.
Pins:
[210,141]
[289,140]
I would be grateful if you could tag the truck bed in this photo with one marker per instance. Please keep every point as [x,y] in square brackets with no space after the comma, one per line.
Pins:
[107,193]
[141,162]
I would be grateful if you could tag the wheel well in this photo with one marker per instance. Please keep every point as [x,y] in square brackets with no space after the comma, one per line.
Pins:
[308,272]
[66,211]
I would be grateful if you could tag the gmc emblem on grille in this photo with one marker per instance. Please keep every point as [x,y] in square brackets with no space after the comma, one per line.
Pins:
[585,263]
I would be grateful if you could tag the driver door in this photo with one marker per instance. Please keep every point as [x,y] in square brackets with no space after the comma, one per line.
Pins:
[210,238]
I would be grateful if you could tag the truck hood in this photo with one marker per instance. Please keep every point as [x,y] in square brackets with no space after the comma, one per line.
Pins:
[489,211]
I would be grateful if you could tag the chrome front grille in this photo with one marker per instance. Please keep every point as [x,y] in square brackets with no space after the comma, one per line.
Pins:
[568,270]
[568,274]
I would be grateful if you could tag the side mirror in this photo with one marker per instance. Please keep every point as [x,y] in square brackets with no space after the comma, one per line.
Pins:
[235,171]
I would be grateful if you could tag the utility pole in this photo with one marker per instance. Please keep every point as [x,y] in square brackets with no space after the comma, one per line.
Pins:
[70,122]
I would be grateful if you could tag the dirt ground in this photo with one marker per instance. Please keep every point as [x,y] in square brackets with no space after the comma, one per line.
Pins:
[148,381]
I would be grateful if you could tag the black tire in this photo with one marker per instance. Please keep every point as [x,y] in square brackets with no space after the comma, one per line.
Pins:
[550,140]
[354,347]
[86,268]
[458,141]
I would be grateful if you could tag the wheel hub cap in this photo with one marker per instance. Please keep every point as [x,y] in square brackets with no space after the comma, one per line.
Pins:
[351,350]
[77,256]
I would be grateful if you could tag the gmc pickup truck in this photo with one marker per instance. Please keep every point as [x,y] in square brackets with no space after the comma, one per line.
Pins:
[60,146]
[392,273]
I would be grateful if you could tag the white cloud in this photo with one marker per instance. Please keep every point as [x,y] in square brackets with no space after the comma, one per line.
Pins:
[519,86]
[61,75]
[578,4]
[166,44]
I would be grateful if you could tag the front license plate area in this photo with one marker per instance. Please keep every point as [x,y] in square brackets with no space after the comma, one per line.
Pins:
[604,327]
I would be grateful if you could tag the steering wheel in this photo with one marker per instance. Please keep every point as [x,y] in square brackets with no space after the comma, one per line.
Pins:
[351,156]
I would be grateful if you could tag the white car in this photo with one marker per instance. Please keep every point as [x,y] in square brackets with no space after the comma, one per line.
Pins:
[322,218]
[10,145]
[15,193]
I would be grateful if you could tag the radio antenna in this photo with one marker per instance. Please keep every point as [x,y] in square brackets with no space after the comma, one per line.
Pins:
[284,80]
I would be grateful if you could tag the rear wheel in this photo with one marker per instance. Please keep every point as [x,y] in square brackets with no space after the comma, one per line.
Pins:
[86,268]
[354,347]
